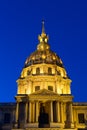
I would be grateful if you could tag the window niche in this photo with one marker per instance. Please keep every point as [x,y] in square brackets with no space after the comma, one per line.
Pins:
[7,118]
[28,72]
[50,88]
[37,88]
[49,70]
[37,70]
[58,72]
[81,118]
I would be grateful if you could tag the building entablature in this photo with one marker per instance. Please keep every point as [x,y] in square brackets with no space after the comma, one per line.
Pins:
[44,95]
[50,98]
[44,78]
[80,104]
[21,98]
[80,107]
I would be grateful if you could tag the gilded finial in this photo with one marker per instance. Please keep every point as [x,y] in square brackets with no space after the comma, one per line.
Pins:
[43,28]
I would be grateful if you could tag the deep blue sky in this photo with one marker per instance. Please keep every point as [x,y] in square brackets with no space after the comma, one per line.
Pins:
[66,25]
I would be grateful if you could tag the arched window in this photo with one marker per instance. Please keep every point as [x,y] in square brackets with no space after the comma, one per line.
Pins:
[49,70]
[38,70]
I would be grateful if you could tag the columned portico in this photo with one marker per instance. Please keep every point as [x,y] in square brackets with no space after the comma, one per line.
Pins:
[44,103]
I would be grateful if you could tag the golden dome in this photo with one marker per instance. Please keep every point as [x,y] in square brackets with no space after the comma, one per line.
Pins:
[43,54]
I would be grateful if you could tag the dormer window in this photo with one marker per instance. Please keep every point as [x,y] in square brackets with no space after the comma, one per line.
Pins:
[49,70]
[38,70]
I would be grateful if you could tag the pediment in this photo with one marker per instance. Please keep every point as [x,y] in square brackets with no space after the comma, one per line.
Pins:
[44,92]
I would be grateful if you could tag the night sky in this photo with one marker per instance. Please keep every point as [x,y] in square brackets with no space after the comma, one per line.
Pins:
[20,25]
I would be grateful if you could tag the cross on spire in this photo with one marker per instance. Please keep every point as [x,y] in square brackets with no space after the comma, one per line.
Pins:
[43,28]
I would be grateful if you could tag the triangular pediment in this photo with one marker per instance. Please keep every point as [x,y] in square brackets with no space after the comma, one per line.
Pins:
[44,92]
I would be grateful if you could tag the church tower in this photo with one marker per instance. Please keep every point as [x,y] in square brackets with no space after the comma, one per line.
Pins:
[44,97]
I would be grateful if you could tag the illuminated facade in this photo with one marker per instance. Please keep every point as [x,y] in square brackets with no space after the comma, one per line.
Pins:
[44,99]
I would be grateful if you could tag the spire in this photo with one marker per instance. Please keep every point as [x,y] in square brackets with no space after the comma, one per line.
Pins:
[43,39]
[43,28]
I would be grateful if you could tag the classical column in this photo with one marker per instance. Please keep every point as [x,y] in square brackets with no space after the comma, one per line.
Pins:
[37,111]
[70,109]
[17,108]
[51,112]
[26,112]
[74,115]
[69,115]
[29,112]
[33,112]
[61,112]
[58,111]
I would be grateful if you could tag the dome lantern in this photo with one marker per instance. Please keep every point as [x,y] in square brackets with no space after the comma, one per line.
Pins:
[43,40]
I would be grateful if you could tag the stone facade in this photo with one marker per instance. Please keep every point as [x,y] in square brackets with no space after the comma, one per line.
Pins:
[7,115]
[44,100]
